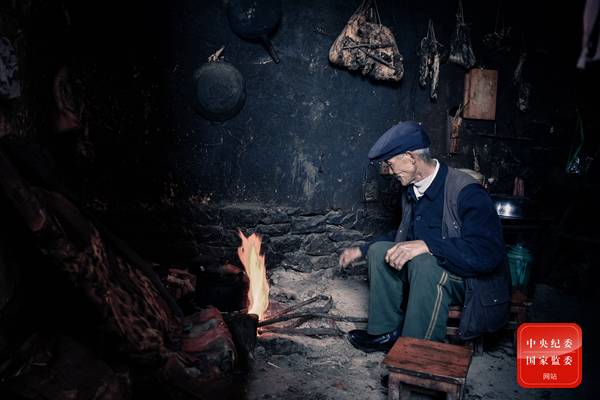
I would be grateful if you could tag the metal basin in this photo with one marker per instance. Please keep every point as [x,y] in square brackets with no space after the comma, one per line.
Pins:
[513,207]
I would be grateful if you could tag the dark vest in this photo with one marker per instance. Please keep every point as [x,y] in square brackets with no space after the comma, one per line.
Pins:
[451,225]
[487,297]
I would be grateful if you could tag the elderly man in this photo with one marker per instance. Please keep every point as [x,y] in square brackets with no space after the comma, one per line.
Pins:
[447,250]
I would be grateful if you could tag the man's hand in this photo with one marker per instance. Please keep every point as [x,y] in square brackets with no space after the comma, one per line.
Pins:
[348,255]
[403,252]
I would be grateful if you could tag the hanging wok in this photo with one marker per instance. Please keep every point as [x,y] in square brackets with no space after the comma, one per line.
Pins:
[255,20]
[220,91]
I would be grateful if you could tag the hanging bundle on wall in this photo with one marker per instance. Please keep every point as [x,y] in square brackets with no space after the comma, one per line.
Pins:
[523,96]
[518,73]
[461,52]
[499,40]
[429,61]
[367,46]
[523,87]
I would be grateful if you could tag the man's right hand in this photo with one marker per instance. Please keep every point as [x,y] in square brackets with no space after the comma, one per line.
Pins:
[349,255]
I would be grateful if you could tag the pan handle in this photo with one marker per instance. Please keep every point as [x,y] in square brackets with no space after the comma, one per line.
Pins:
[269,46]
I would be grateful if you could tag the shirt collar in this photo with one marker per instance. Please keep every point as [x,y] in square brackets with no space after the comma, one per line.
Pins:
[421,186]
[435,186]
[438,182]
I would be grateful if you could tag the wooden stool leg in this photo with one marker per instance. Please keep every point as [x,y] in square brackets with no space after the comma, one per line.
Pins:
[404,392]
[393,387]
[396,389]
[455,394]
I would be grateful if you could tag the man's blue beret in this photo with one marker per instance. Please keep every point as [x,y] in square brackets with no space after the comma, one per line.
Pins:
[400,138]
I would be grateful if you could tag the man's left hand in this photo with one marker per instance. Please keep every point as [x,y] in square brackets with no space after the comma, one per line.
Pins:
[403,252]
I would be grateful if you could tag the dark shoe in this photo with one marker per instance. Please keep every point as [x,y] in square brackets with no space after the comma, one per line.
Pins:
[360,339]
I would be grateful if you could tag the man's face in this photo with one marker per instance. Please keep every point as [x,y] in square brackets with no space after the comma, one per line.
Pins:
[402,167]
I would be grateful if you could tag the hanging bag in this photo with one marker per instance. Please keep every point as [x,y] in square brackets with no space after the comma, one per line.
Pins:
[367,46]
[461,51]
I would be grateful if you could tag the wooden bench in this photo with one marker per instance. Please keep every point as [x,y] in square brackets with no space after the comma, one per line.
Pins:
[426,364]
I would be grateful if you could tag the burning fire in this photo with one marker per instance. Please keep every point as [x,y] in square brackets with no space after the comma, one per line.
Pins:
[254,264]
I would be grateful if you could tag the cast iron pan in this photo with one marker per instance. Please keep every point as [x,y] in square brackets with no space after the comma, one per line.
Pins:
[255,20]
[220,91]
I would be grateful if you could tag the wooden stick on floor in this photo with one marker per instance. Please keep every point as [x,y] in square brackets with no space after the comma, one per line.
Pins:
[312,315]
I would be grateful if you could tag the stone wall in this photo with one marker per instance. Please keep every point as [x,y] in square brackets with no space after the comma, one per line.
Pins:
[199,235]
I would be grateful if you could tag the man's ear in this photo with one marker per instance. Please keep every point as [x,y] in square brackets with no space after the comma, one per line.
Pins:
[411,157]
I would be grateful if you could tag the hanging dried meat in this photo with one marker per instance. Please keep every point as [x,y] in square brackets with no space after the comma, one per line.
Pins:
[523,97]
[499,40]
[429,61]
[367,46]
[523,87]
[461,52]
[518,73]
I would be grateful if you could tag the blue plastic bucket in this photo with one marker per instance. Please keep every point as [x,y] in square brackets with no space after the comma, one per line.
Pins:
[519,261]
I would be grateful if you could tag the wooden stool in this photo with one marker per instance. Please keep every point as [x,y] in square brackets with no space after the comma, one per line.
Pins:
[518,315]
[431,365]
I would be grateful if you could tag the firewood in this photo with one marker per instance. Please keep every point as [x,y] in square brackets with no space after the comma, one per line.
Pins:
[302,304]
[312,315]
[304,331]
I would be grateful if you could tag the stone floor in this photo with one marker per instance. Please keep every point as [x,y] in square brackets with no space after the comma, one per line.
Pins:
[298,367]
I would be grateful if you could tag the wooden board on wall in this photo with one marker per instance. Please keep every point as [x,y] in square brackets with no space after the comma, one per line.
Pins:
[480,94]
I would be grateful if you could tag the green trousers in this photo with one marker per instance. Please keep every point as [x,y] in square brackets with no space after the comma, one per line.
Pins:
[415,298]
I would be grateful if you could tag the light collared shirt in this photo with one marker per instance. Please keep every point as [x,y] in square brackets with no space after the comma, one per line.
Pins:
[421,186]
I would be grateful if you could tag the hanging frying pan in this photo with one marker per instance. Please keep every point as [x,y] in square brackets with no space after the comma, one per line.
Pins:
[255,20]
[220,91]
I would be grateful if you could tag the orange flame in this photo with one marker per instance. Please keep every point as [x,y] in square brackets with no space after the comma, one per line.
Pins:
[254,264]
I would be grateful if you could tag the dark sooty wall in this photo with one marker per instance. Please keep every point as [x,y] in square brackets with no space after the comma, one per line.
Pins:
[302,137]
